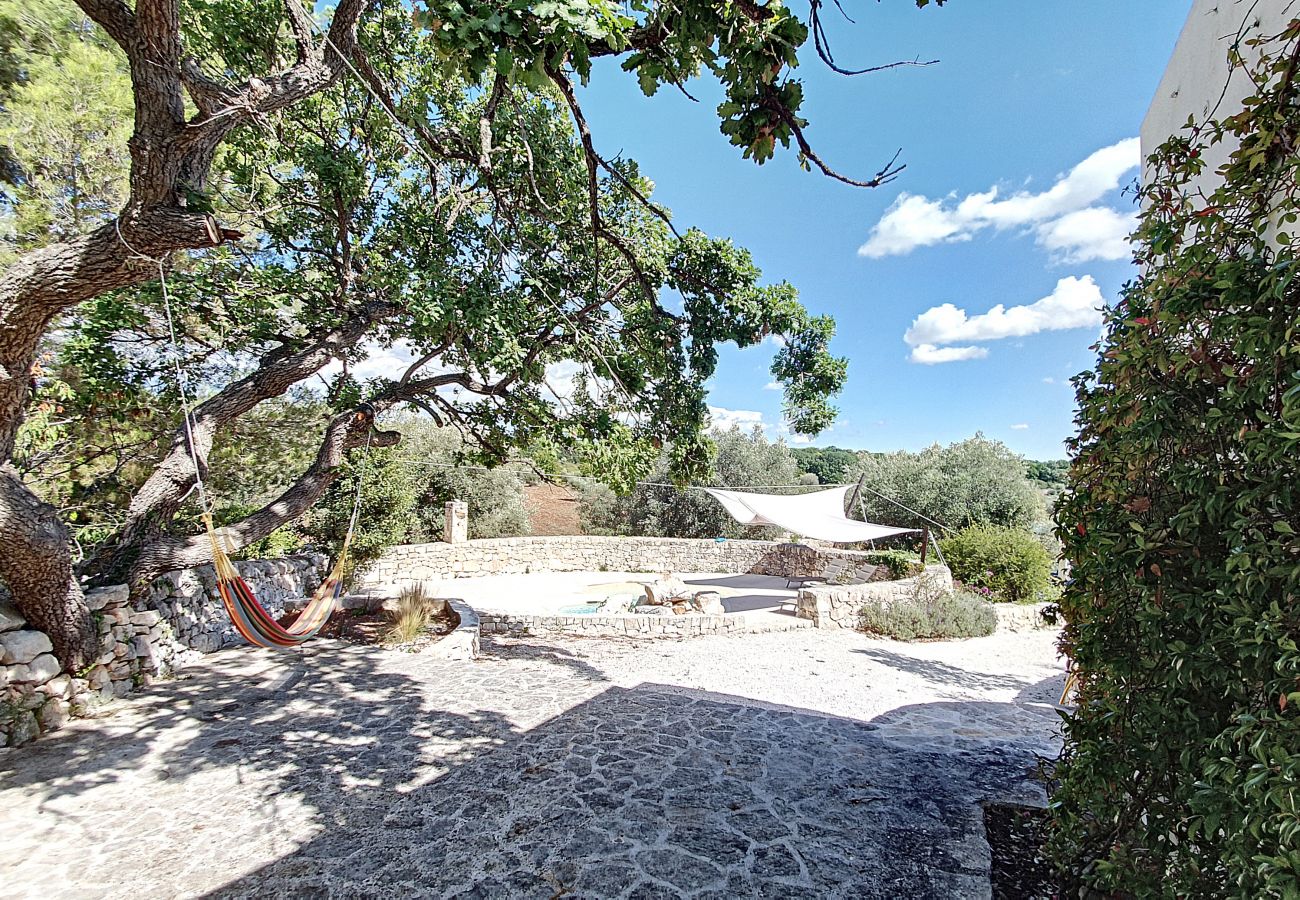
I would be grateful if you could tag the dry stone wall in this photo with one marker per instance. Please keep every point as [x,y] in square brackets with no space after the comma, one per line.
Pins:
[840,606]
[1026,616]
[37,696]
[413,563]
[181,616]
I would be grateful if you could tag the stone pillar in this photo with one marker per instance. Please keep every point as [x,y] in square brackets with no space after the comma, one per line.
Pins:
[455,528]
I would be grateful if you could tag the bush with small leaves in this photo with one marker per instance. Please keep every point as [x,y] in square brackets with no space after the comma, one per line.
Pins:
[930,616]
[1181,764]
[900,563]
[1007,564]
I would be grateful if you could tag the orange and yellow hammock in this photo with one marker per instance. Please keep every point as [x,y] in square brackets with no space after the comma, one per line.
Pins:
[250,618]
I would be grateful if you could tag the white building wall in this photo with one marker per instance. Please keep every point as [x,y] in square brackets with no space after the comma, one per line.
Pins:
[1199,81]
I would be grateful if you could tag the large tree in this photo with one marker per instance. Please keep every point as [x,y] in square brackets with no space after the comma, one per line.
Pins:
[493,293]
[199,75]
[975,481]
[658,508]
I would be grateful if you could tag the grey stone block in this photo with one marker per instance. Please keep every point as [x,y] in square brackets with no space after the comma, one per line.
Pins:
[10,617]
[38,671]
[23,646]
[110,595]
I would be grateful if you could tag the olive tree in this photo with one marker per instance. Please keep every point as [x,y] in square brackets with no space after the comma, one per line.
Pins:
[975,481]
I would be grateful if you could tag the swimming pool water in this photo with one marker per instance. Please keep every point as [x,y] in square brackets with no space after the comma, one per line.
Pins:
[582,609]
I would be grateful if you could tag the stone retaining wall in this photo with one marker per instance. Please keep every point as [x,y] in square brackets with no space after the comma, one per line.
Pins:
[181,616]
[639,626]
[1026,616]
[839,606]
[412,563]
[135,647]
[187,600]
[463,642]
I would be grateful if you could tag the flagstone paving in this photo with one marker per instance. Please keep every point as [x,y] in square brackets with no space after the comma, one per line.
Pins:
[786,765]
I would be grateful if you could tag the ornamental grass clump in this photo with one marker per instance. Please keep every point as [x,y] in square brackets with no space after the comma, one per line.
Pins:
[1181,770]
[411,617]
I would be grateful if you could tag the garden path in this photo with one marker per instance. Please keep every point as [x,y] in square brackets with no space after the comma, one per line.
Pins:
[798,764]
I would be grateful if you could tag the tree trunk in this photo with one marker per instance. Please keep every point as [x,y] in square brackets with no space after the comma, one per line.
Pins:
[165,553]
[37,566]
[155,504]
[170,159]
[35,547]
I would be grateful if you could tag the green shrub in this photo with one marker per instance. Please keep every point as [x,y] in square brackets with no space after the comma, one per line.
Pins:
[1005,563]
[900,563]
[284,541]
[1181,768]
[388,497]
[931,616]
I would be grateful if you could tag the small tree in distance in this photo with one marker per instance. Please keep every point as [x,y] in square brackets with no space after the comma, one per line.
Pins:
[977,480]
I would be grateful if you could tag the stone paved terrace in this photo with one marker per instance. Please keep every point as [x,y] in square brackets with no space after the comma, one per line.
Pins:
[803,764]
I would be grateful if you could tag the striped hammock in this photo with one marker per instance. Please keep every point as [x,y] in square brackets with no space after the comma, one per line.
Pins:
[250,618]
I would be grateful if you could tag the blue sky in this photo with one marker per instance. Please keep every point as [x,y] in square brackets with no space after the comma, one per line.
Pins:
[1024,93]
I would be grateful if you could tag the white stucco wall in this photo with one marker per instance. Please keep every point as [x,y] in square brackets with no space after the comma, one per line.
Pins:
[1198,81]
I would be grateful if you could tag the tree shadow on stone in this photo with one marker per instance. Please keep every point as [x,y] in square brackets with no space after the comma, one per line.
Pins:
[1046,691]
[302,718]
[646,792]
[941,673]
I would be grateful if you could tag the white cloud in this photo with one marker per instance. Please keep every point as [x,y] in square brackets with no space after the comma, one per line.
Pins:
[917,221]
[929,354]
[1049,380]
[773,386]
[1074,303]
[380,362]
[1020,426]
[724,418]
[561,379]
[1087,234]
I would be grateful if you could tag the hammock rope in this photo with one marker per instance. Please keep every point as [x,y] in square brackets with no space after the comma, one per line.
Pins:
[250,618]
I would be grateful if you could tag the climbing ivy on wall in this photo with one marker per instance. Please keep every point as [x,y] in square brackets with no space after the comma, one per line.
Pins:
[1181,772]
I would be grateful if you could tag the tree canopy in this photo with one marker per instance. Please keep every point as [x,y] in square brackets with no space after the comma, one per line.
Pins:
[658,509]
[975,481]
[343,187]
[829,464]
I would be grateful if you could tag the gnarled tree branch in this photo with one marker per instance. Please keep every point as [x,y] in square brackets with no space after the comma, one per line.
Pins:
[155,504]
[346,431]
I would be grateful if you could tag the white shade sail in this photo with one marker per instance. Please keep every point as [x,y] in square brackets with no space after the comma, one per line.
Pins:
[819,515]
